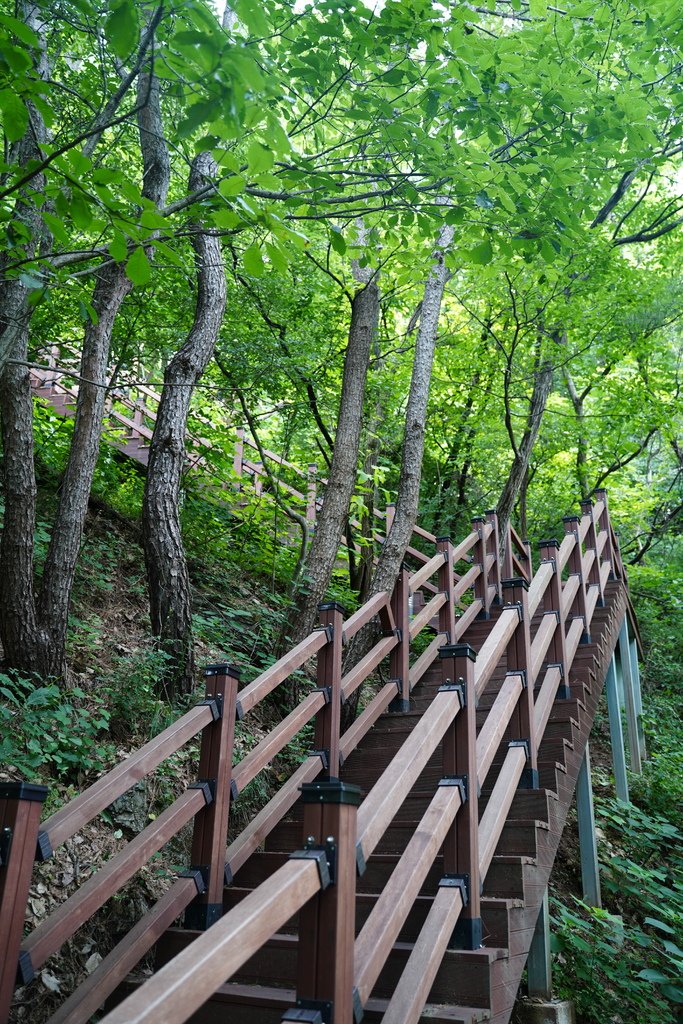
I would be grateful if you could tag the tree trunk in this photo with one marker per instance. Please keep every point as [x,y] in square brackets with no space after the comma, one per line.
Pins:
[577,401]
[394,548]
[60,565]
[167,573]
[543,380]
[342,476]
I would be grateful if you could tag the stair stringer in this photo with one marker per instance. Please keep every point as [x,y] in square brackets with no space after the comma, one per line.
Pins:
[589,671]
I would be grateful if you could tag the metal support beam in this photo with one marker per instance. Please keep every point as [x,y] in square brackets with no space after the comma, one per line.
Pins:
[616,733]
[629,698]
[538,965]
[590,868]
[635,671]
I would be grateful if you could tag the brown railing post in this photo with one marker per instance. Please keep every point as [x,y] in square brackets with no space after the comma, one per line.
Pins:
[507,558]
[328,719]
[327,922]
[575,563]
[389,521]
[552,604]
[591,542]
[518,662]
[399,661]
[211,824]
[461,846]
[492,518]
[481,585]
[20,808]
[311,493]
[447,612]
[604,524]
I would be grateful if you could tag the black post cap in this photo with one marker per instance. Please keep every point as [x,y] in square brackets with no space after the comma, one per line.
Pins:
[553,543]
[333,792]
[223,669]
[23,791]
[457,651]
[518,581]
[332,606]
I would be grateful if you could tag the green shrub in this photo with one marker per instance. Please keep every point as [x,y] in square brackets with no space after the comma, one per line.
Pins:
[49,731]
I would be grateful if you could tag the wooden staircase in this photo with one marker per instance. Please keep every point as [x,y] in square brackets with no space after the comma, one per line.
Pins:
[471,985]
[420,903]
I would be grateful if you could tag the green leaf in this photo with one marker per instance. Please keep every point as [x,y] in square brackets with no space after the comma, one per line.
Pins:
[118,249]
[122,28]
[259,157]
[481,254]
[232,186]
[338,243]
[138,269]
[14,115]
[250,12]
[538,8]
[661,925]
[253,261]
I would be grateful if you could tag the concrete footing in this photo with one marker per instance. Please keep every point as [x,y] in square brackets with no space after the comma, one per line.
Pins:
[538,1011]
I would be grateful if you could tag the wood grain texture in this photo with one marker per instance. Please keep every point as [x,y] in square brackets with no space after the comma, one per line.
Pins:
[184,984]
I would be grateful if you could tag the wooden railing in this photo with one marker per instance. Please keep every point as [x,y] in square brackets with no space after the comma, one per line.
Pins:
[537,624]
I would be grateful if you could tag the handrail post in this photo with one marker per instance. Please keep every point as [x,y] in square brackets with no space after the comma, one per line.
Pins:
[328,719]
[399,659]
[591,541]
[20,808]
[604,524]
[575,562]
[327,922]
[211,824]
[461,846]
[552,602]
[481,584]
[519,661]
[238,458]
[447,612]
[507,560]
[389,521]
[492,518]
[311,493]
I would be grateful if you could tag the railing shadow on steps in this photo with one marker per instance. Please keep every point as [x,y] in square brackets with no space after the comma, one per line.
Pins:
[557,604]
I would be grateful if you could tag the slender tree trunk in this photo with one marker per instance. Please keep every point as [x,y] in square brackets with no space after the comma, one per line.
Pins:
[582,440]
[543,380]
[342,476]
[167,573]
[394,548]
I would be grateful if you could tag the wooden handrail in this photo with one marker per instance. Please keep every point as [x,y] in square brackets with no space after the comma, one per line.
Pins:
[493,647]
[360,672]
[541,643]
[463,549]
[68,820]
[539,585]
[427,570]
[569,592]
[260,827]
[545,699]
[276,740]
[425,660]
[265,683]
[377,706]
[465,582]
[386,796]
[426,614]
[566,547]
[417,977]
[497,720]
[175,992]
[382,927]
[113,970]
[495,814]
[374,606]
[70,915]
